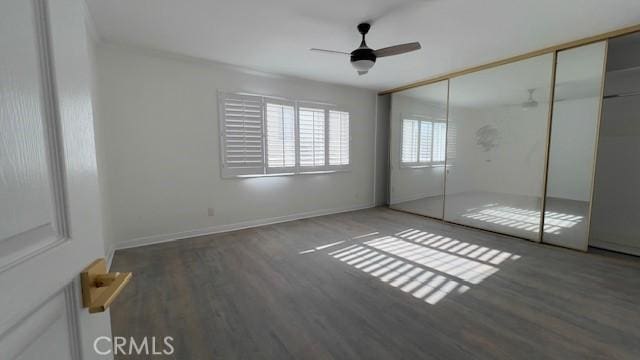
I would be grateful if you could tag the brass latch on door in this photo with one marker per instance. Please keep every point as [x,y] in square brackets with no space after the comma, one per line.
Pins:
[99,287]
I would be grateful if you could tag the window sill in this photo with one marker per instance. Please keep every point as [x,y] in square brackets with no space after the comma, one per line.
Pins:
[421,166]
[283,174]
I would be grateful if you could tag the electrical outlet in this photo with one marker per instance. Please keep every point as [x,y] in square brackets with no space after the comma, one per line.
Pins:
[211,212]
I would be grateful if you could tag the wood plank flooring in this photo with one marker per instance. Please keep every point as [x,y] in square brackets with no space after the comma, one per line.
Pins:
[378,284]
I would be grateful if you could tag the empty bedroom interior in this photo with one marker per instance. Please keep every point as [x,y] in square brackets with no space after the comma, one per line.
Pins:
[371,179]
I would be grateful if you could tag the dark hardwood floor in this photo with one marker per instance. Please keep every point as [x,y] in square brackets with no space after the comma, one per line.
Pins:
[379,284]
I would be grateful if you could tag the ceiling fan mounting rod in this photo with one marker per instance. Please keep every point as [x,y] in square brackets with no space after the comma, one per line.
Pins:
[363,28]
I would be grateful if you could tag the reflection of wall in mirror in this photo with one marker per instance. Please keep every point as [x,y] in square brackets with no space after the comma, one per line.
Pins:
[572,149]
[499,149]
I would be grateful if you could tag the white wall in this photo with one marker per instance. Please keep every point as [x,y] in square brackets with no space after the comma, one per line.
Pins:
[382,151]
[159,140]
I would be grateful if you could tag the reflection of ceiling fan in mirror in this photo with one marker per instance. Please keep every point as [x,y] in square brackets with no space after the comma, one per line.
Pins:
[531,102]
[363,58]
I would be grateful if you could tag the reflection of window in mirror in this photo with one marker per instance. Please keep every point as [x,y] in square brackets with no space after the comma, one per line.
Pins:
[451,141]
[423,142]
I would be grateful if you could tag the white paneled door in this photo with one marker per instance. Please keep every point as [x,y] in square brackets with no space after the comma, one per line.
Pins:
[50,226]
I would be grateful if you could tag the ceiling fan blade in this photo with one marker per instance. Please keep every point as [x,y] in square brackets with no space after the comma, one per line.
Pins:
[330,51]
[398,49]
[362,72]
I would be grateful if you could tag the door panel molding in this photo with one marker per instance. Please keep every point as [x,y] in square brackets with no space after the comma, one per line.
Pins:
[72,293]
[18,338]
[55,155]
[31,242]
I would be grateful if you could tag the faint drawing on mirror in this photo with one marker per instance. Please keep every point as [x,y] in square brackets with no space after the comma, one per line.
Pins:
[418,149]
[487,138]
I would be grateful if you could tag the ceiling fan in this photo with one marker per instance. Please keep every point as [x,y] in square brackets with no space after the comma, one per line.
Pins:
[363,58]
[530,102]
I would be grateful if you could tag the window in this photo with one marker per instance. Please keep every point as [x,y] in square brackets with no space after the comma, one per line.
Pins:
[242,139]
[312,145]
[262,135]
[281,136]
[423,142]
[338,138]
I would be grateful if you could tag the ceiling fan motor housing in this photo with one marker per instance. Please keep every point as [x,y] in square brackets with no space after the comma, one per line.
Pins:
[363,54]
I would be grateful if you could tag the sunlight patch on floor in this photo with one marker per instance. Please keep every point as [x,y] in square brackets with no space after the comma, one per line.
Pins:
[426,265]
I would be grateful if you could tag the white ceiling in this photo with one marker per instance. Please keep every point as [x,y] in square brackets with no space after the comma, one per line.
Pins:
[275,35]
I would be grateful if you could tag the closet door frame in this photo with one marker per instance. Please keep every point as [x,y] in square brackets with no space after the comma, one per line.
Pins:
[595,147]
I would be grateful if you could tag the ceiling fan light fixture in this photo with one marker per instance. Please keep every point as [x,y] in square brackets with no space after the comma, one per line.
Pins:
[363,65]
[531,102]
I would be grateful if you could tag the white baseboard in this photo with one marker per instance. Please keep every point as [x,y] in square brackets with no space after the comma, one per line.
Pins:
[626,249]
[156,239]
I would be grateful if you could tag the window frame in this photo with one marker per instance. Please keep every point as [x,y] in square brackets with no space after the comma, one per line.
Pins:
[420,119]
[265,170]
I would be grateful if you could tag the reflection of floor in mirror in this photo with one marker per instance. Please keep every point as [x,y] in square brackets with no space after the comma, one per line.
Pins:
[429,206]
[510,214]
[566,222]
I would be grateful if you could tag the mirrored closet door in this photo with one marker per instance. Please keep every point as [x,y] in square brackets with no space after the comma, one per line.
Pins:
[572,149]
[543,148]
[496,152]
[417,149]
[615,216]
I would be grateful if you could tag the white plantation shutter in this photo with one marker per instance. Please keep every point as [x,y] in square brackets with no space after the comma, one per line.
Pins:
[439,141]
[426,141]
[339,138]
[410,139]
[241,125]
[311,130]
[267,135]
[281,136]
